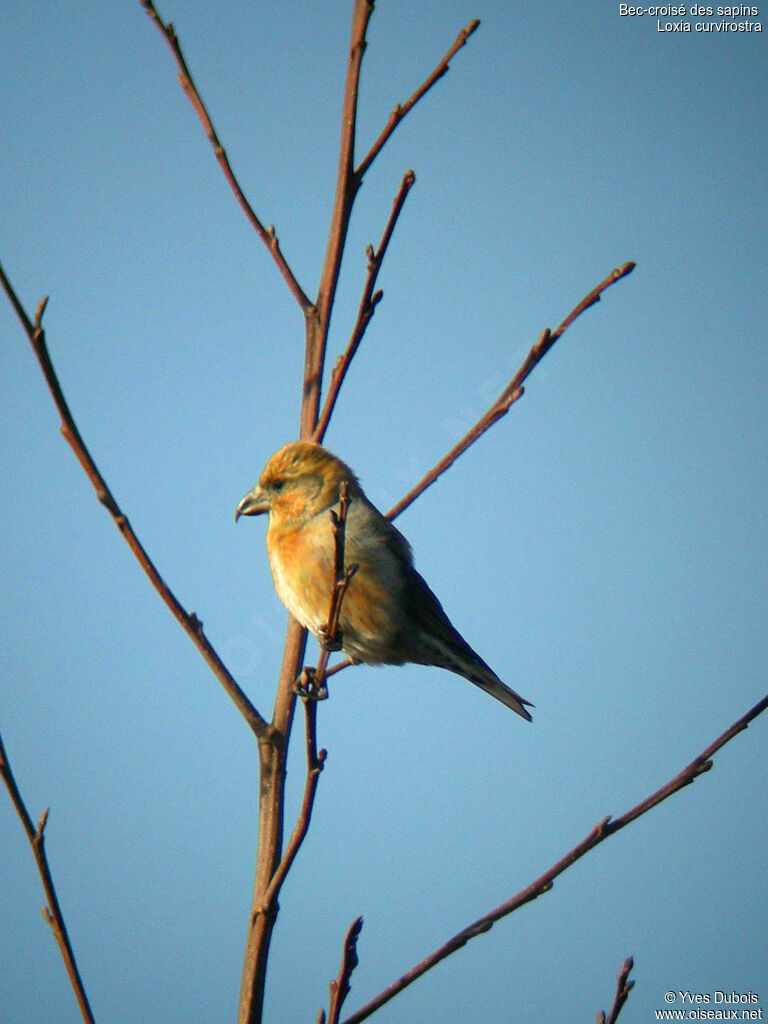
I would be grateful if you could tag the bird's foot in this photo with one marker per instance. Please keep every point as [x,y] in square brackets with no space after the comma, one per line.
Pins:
[330,643]
[307,686]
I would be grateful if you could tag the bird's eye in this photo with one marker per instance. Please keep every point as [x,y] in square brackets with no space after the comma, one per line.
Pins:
[277,485]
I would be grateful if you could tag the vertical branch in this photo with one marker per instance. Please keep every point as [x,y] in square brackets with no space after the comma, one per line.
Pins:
[312,688]
[347,185]
[52,912]
[273,748]
[315,762]
[312,683]
[272,866]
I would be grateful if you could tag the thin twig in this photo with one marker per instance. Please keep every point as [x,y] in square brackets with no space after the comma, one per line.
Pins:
[340,986]
[511,392]
[401,110]
[313,682]
[52,912]
[544,883]
[267,234]
[367,307]
[623,987]
[188,620]
[347,663]
[315,761]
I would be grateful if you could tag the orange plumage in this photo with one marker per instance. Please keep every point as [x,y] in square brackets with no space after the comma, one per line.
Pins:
[389,614]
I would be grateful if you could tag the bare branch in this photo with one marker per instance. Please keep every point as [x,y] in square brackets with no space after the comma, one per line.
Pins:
[401,110]
[340,986]
[52,912]
[367,307]
[544,883]
[273,747]
[267,235]
[623,987]
[188,620]
[347,185]
[511,392]
[315,762]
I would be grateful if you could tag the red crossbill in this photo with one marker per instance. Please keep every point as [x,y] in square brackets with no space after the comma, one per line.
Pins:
[389,615]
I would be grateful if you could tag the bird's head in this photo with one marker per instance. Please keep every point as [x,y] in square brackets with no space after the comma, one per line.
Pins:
[298,482]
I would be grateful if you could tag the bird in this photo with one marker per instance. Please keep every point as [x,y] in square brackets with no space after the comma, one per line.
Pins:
[389,615]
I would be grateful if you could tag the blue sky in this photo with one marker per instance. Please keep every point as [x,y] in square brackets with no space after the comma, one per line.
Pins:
[604,547]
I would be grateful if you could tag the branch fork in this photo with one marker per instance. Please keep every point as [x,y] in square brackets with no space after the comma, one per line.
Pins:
[623,987]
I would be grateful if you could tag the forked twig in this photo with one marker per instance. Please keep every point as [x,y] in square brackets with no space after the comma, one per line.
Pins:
[188,620]
[511,392]
[623,987]
[544,883]
[367,308]
[347,186]
[267,235]
[52,912]
[401,110]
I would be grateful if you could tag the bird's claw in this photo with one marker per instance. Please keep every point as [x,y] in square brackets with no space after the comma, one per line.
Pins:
[330,643]
[307,686]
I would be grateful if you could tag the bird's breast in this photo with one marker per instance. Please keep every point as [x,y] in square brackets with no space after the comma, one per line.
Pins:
[300,561]
[372,620]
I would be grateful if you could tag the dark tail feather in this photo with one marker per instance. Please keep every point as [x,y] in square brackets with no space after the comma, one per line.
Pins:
[457,656]
[440,643]
[493,685]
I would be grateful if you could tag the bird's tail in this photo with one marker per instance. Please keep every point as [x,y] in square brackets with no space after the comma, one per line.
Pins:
[455,654]
[491,683]
[441,644]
